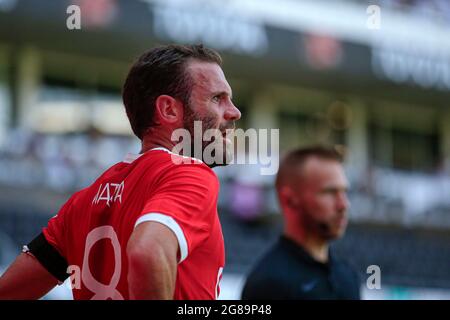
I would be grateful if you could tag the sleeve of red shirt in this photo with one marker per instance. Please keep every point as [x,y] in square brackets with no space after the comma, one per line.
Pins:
[55,230]
[185,200]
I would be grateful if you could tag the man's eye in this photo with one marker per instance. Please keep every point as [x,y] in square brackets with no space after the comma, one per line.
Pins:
[330,191]
[216,98]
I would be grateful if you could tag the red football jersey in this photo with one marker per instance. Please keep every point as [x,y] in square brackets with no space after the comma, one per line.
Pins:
[92,229]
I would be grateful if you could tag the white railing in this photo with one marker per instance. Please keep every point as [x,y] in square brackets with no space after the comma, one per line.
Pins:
[418,193]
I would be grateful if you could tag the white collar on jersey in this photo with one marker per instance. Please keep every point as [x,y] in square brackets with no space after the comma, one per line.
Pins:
[130,157]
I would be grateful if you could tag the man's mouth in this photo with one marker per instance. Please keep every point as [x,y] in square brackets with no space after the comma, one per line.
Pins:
[227,134]
[342,222]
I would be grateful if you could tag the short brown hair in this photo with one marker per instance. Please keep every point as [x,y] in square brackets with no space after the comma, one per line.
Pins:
[161,70]
[296,158]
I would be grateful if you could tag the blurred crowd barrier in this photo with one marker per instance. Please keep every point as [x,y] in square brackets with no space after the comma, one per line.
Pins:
[438,10]
[62,163]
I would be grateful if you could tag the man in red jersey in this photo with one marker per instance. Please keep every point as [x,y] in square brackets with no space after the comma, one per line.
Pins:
[148,227]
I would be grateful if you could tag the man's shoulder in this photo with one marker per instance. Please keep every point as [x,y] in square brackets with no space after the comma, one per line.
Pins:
[345,269]
[272,263]
[165,167]
[341,262]
[269,278]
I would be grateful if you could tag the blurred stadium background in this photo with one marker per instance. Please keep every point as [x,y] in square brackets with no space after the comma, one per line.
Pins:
[321,71]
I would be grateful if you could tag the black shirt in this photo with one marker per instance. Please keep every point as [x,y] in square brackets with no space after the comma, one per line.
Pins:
[287,271]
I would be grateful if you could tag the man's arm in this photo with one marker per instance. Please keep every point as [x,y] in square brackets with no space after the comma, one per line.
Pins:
[152,262]
[26,279]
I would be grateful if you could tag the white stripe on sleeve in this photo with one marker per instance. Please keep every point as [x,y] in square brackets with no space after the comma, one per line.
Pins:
[172,225]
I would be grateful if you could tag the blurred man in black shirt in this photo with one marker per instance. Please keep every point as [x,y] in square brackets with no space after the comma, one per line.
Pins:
[312,191]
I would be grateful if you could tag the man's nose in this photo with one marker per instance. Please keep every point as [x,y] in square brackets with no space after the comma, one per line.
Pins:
[342,201]
[232,113]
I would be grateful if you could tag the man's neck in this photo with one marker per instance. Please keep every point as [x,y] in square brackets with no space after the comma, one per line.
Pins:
[154,140]
[316,247]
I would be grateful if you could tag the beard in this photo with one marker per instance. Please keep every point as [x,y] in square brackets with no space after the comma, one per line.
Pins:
[327,229]
[218,151]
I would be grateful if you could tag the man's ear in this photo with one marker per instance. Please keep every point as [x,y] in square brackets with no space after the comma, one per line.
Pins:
[168,110]
[287,198]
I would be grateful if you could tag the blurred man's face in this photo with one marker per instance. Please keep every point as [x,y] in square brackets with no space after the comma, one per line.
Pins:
[323,197]
[210,102]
